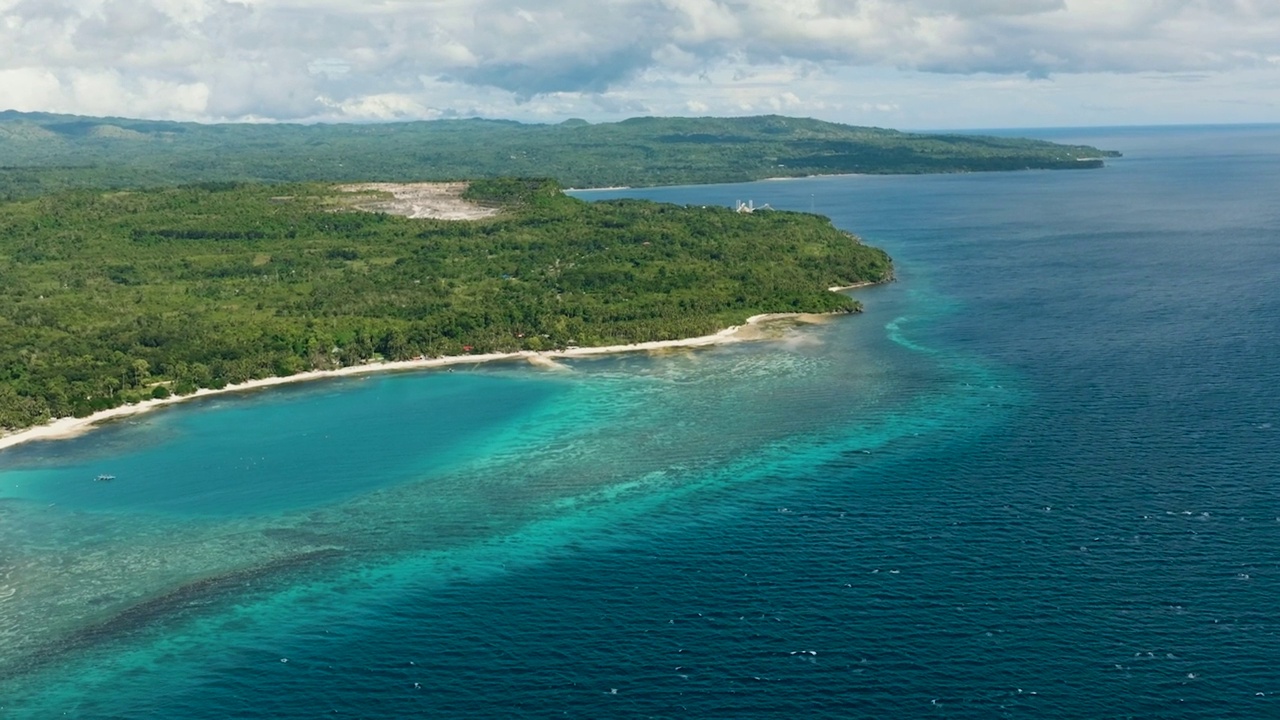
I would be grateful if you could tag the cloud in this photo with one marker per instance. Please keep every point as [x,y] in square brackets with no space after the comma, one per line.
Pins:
[307,59]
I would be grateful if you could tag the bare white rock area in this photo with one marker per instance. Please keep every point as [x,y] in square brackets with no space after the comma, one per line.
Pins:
[435,200]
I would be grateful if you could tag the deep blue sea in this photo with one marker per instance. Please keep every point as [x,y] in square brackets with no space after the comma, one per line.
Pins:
[1037,478]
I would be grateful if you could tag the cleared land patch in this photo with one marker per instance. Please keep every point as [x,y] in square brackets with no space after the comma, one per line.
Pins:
[434,200]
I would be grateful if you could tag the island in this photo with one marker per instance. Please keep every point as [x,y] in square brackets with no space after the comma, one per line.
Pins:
[116,298]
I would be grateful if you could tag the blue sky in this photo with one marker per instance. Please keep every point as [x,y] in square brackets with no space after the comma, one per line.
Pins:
[891,63]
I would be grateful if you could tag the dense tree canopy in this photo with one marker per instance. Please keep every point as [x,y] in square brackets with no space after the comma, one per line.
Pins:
[110,297]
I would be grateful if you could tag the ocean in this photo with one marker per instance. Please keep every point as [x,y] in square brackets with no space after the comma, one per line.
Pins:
[1037,477]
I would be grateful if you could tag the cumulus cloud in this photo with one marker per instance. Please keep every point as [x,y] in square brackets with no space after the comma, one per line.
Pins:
[307,59]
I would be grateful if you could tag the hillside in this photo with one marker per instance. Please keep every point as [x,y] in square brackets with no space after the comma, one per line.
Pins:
[43,152]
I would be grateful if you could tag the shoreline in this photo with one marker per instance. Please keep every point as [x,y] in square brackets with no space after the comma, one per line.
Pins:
[771,178]
[855,286]
[69,427]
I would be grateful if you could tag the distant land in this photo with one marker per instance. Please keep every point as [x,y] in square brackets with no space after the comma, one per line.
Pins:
[41,152]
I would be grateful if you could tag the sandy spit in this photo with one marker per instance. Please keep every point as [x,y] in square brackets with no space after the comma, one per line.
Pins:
[855,286]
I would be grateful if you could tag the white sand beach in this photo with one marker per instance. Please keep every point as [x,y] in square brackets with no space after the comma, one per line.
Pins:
[855,286]
[68,427]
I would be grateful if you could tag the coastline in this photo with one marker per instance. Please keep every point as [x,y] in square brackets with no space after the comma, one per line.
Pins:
[855,286]
[69,427]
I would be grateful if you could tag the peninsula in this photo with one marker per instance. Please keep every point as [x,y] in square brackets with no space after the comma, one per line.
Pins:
[124,285]
[119,298]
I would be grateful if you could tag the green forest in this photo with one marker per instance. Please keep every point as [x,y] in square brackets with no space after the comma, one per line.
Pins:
[109,297]
[42,152]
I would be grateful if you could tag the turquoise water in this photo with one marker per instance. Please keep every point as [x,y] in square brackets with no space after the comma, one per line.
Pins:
[1035,478]
[286,449]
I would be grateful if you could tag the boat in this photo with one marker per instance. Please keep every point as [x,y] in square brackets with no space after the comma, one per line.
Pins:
[104,478]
